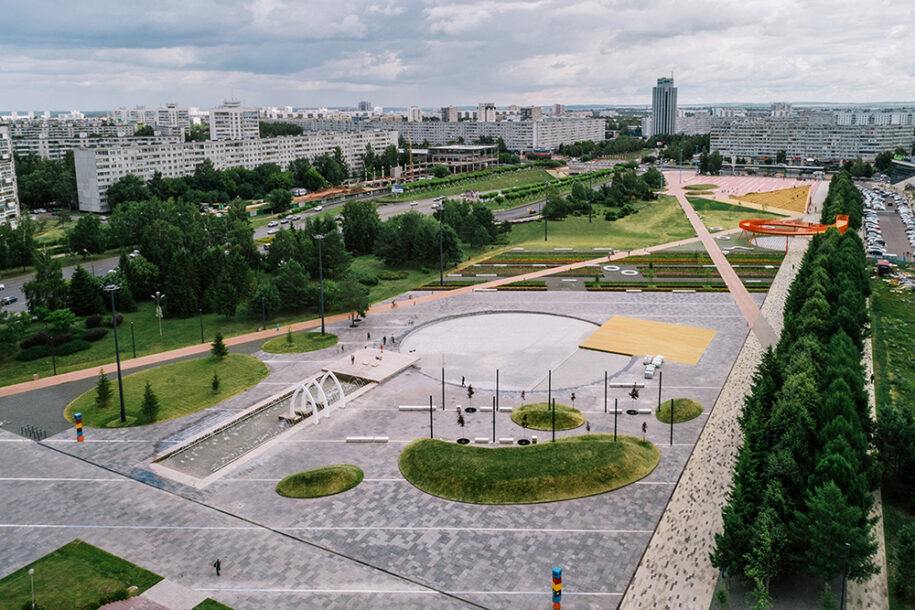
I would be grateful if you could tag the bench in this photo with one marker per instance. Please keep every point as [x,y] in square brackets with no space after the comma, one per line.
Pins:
[481,439]
[506,440]
[360,439]
[416,408]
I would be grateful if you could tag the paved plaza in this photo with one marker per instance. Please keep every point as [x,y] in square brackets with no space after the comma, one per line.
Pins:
[383,544]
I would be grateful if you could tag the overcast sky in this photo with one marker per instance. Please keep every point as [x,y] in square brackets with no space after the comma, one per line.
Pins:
[101,54]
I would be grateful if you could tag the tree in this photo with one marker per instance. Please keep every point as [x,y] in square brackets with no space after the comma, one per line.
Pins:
[354,298]
[291,282]
[84,296]
[714,163]
[48,287]
[265,301]
[59,321]
[330,169]
[150,407]
[905,561]
[360,226]
[440,171]
[144,131]
[214,385]
[127,188]
[218,348]
[224,297]
[142,275]
[781,157]
[86,236]
[102,390]
[279,200]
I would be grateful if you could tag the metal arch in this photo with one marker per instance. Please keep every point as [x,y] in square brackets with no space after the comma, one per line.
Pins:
[341,402]
[308,399]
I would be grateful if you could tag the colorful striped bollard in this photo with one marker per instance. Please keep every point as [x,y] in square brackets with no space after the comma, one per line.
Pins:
[79,427]
[557,588]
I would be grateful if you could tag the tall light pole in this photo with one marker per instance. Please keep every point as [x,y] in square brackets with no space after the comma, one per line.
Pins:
[110,289]
[319,239]
[86,252]
[32,578]
[441,249]
[158,299]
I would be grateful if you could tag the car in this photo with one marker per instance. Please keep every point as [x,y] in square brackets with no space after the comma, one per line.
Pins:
[318,208]
[272,232]
[273,223]
[134,254]
[297,217]
[2,286]
[8,300]
[413,204]
[285,221]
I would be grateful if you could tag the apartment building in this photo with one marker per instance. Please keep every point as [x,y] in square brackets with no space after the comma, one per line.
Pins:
[415,114]
[9,197]
[816,136]
[663,107]
[97,169]
[486,112]
[54,138]
[449,114]
[231,121]
[531,113]
[140,114]
[176,119]
[517,135]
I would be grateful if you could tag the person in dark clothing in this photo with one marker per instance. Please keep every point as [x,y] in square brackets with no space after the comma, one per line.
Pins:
[218,566]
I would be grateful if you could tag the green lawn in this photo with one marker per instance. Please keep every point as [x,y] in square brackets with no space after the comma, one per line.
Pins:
[385,289]
[487,183]
[700,187]
[74,576]
[301,342]
[211,604]
[657,222]
[572,467]
[893,332]
[719,214]
[685,409]
[319,482]
[182,388]
[540,416]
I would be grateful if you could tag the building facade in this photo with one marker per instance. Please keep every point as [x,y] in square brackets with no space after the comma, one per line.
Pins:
[545,134]
[176,119]
[233,122]
[97,169]
[817,136]
[449,114]
[531,113]
[486,112]
[9,196]
[664,107]
[415,114]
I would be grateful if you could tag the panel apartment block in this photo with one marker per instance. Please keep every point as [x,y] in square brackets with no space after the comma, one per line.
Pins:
[9,197]
[97,169]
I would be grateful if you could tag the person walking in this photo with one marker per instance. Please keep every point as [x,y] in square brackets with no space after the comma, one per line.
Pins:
[368,336]
[218,566]
[352,359]
[462,381]
[384,340]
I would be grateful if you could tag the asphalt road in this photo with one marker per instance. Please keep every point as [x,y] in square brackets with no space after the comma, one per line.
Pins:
[14,284]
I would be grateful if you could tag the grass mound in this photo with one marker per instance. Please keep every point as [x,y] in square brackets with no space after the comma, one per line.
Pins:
[301,342]
[77,575]
[182,388]
[572,467]
[700,187]
[685,409]
[318,482]
[540,417]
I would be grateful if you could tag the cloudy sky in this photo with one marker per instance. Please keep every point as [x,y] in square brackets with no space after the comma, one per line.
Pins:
[100,54]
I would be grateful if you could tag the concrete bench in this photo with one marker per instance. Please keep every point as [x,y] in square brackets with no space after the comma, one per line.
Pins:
[505,409]
[485,290]
[506,440]
[360,439]
[485,409]
[682,290]
[481,439]
[416,408]
[633,290]
[623,384]
[380,439]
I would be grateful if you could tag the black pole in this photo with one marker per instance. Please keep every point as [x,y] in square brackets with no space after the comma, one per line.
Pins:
[53,358]
[605,392]
[443,388]
[671,422]
[441,248]
[660,383]
[494,407]
[133,341]
[616,412]
[117,356]
[264,313]
[201,324]
[549,388]
[554,420]
[544,220]
[497,388]
[431,433]
[321,285]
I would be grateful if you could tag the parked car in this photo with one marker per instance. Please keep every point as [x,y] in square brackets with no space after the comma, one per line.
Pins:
[273,223]
[8,300]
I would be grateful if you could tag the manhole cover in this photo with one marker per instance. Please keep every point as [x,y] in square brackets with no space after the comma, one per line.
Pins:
[463,441]
[523,441]
[628,412]
[470,410]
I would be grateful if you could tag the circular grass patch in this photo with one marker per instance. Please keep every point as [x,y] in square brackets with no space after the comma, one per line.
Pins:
[319,482]
[572,467]
[540,417]
[700,187]
[301,342]
[685,409]
[182,388]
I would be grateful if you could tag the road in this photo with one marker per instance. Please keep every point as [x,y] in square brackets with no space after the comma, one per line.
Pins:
[14,284]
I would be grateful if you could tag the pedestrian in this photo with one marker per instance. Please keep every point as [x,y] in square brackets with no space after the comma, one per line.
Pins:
[462,381]
[644,429]
[277,327]
[352,359]
[218,566]
[368,336]
[384,340]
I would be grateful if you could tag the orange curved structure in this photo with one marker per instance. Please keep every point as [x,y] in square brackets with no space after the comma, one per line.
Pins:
[788,228]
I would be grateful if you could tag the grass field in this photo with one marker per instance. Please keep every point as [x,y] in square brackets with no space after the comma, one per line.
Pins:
[319,482]
[700,187]
[182,388]
[656,222]
[725,215]
[74,576]
[301,342]
[539,416]
[572,467]
[893,326]
[487,183]
[685,409]
[211,604]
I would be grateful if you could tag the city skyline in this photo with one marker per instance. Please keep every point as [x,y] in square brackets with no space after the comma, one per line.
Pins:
[402,53]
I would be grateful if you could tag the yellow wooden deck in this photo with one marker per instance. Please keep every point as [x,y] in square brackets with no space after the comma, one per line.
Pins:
[622,335]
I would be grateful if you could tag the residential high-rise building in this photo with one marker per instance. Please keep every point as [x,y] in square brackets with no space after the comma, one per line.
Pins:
[558,109]
[9,198]
[486,112]
[364,106]
[531,113]
[664,107]
[415,114]
[177,119]
[449,114]
[232,122]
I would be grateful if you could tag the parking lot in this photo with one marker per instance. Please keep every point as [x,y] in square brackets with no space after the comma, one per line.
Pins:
[889,224]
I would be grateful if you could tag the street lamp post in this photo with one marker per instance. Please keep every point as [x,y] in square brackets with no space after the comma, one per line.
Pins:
[200,314]
[32,579]
[264,312]
[319,239]
[110,289]
[133,341]
[158,299]
[441,249]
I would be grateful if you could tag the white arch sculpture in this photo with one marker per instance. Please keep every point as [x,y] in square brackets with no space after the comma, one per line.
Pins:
[308,399]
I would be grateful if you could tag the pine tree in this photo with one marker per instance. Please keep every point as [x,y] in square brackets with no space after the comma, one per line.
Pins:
[84,295]
[219,349]
[102,391]
[150,405]
[215,383]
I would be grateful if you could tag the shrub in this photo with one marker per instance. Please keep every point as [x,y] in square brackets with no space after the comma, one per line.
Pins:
[387,274]
[72,347]
[33,352]
[38,338]
[95,334]
[61,339]
[94,321]
[120,319]
[366,279]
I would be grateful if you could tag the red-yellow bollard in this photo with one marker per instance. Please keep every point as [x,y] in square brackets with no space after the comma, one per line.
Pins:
[79,427]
